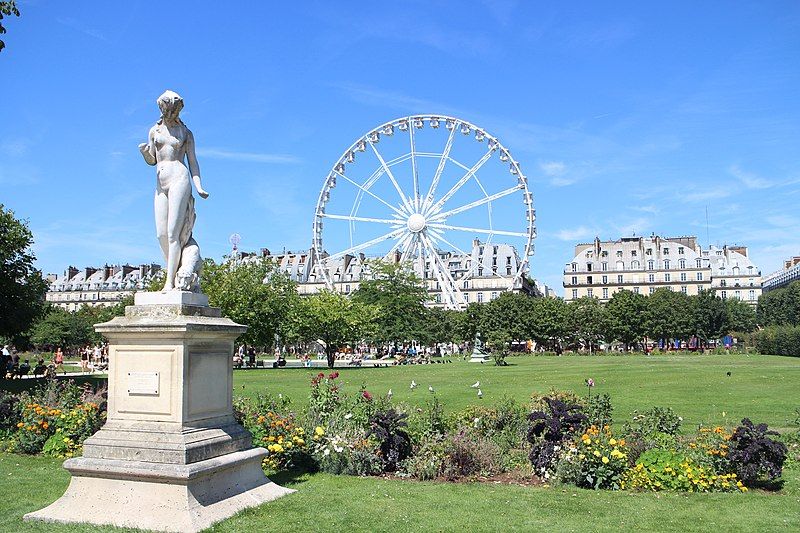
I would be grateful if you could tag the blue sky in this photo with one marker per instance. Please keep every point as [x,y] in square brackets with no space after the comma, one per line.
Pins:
[626,117]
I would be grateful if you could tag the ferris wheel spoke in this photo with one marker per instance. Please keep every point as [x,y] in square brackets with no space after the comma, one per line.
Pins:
[436,235]
[460,183]
[476,203]
[367,244]
[478,230]
[438,174]
[396,246]
[414,174]
[407,247]
[366,190]
[390,175]
[444,272]
[352,218]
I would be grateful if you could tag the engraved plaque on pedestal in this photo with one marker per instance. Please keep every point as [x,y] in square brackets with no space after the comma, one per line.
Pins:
[143,383]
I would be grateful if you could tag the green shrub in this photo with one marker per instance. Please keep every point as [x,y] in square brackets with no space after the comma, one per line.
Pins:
[661,469]
[58,408]
[654,420]
[779,340]
[467,454]
[426,462]
[598,410]
[596,460]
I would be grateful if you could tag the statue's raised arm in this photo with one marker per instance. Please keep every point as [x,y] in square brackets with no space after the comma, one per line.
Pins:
[169,144]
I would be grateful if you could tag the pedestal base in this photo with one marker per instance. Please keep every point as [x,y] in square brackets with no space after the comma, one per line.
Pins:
[162,497]
[171,456]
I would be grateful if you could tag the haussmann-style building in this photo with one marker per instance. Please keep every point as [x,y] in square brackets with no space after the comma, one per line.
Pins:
[645,264]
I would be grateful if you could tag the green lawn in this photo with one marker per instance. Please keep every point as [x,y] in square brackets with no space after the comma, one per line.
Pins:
[763,388]
[340,503]
[697,387]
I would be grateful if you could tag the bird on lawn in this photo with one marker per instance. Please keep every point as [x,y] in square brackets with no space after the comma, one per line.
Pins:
[476,385]
[480,393]
[413,384]
[430,388]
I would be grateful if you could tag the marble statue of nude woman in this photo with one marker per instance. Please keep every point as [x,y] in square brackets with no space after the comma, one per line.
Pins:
[168,144]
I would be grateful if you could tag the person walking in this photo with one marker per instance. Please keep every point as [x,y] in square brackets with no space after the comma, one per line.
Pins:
[58,360]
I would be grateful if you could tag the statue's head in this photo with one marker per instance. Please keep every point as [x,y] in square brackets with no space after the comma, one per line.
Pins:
[170,103]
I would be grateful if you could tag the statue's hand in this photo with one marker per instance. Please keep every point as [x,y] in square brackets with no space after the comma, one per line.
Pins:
[202,193]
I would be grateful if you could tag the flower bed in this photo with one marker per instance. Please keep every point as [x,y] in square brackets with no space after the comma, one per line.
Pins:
[53,419]
[558,438]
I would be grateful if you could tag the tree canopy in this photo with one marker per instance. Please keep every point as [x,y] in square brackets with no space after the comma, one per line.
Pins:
[22,287]
[780,307]
[334,319]
[7,8]
[625,317]
[254,293]
[401,297]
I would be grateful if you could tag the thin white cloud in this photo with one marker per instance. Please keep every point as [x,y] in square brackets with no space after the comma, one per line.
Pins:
[702,195]
[575,234]
[748,179]
[393,99]
[562,182]
[221,153]
[553,168]
[647,209]
[638,226]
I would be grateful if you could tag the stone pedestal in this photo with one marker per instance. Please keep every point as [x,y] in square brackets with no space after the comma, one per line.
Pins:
[171,456]
[479,356]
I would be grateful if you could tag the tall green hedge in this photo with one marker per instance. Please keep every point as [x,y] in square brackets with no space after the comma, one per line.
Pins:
[779,340]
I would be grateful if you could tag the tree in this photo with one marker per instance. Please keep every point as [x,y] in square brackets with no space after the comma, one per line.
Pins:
[252,292]
[439,326]
[507,317]
[400,295]
[334,319]
[780,307]
[668,315]
[547,321]
[62,328]
[7,8]
[22,287]
[468,322]
[625,317]
[740,316]
[586,318]
[92,315]
[709,316]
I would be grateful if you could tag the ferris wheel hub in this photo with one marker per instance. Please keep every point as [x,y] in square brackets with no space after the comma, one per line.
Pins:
[416,223]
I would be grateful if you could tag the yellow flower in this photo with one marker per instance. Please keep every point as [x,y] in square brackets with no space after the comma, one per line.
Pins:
[605,460]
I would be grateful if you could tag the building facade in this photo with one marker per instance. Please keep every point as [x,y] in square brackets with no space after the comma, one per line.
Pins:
[789,273]
[482,275]
[644,264]
[104,286]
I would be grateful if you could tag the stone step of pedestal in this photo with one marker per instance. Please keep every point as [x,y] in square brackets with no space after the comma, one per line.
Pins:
[170,445]
[162,497]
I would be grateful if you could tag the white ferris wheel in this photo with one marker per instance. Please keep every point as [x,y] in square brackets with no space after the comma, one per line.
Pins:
[420,190]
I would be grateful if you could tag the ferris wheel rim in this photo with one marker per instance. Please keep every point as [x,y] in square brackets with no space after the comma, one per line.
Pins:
[437,223]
